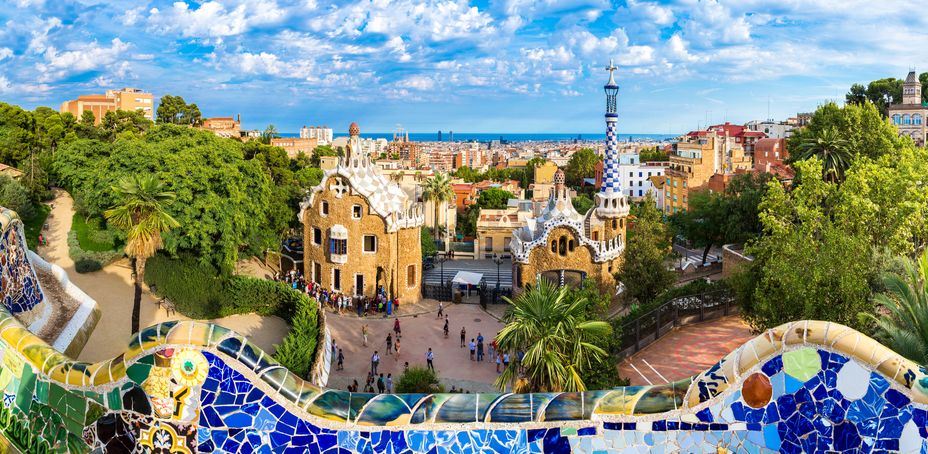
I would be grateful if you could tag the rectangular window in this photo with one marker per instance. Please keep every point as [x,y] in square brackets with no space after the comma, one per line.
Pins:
[639,174]
[356,211]
[370,243]
[317,273]
[489,245]
[411,276]
[684,183]
[317,236]
[339,247]
[639,193]
[630,174]
[640,183]
[506,242]
[337,279]
[324,208]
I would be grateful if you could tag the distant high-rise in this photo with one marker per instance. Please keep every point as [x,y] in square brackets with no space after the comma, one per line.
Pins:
[439,135]
[322,134]
[450,136]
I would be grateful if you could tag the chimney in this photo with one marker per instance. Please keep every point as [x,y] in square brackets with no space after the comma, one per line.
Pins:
[238,118]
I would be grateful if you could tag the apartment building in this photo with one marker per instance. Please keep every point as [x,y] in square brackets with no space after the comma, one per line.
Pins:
[294,145]
[635,177]
[495,227]
[227,127]
[322,134]
[128,99]
[695,159]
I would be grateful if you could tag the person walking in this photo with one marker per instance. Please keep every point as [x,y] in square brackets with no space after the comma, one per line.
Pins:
[441,309]
[473,349]
[396,329]
[493,346]
[463,336]
[364,331]
[505,360]
[429,357]
[341,360]
[389,344]
[389,383]
[375,361]
[445,329]
[498,361]
[381,386]
[396,347]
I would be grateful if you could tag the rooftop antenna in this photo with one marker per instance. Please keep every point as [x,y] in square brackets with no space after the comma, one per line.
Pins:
[769,118]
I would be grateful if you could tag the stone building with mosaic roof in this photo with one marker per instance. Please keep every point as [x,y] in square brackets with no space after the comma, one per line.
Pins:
[566,247]
[361,231]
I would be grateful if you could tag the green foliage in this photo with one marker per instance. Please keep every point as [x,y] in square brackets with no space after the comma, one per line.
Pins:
[883,92]
[556,337]
[298,349]
[174,110]
[644,268]
[862,130]
[653,154]
[439,191]
[467,221]
[428,244]
[121,121]
[418,380]
[903,323]
[522,175]
[77,254]
[87,266]
[15,196]
[494,198]
[582,164]
[91,237]
[582,203]
[806,266]
[224,203]
[33,226]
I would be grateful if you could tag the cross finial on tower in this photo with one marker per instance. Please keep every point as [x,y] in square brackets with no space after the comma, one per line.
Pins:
[611,68]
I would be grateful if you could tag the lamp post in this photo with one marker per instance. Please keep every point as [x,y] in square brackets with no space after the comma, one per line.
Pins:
[441,262]
[498,260]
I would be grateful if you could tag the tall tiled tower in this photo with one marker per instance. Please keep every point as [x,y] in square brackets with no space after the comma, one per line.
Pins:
[611,203]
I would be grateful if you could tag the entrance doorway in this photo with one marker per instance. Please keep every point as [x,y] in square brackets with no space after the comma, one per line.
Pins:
[337,279]
[359,284]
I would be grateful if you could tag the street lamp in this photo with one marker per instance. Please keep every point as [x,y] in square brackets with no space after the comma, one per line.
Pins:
[441,261]
[498,260]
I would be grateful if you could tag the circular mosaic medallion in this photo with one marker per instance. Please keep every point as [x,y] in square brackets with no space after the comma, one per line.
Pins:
[189,367]
[756,390]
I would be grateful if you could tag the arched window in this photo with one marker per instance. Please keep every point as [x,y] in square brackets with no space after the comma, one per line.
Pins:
[553,245]
[906,119]
[917,119]
[896,120]
[562,246]
[570,245]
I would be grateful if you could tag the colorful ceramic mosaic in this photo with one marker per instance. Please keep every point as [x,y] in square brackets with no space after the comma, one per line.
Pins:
[183,387]
[18,282]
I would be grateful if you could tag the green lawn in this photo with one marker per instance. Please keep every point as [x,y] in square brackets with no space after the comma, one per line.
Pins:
[34,225]
[84,237]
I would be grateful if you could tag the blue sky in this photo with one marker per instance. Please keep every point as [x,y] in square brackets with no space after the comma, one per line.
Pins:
[486,66]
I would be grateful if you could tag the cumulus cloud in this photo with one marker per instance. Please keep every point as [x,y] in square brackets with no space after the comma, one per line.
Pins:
[5,52]
[213,19]
[79,58]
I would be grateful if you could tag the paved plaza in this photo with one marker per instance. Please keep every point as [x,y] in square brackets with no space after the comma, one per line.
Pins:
[685,351]
[420,332]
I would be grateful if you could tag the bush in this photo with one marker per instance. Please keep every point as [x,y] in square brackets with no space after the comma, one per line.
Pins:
[77,254]
[192,286]
[419,380]
[91,236]
[298,349]
[87,265]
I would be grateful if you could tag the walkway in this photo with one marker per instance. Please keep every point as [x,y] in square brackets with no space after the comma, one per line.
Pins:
[419,334]
[112,288]
[685,351]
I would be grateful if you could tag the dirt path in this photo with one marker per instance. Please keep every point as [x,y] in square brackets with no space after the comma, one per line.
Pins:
[112,288]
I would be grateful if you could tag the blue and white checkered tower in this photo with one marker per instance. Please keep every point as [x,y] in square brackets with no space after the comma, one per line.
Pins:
[610,201]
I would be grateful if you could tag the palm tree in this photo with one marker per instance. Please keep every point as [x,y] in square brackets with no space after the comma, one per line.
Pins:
[140,213]
[904,326]
[555,336]
[830,148]
[437,189]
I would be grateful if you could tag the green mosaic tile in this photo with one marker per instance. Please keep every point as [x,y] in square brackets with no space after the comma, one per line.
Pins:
[568,431]
[25,389]
[802,364]
[41,391]
[114,399]
[383,410]
[138,372]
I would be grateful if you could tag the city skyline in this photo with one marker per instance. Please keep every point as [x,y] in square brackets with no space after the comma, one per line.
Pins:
[478,67]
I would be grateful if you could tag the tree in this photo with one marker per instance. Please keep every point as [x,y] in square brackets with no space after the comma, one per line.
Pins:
[806,265]
[141,214]
[319,152]
[428,244]
[270,132]
[439,191]
[418,380]
[582,203]
[828,147]
[903,326]
[494,198]
[644,267]
[653,154]
[174,110]
[865,132]
[15,196]
[582,164]
[857,95]
[553,332]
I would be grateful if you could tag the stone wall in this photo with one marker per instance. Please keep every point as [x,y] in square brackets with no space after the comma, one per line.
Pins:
[189,386]
[733,259]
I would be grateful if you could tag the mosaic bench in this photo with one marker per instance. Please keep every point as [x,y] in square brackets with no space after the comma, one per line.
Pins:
[189,386]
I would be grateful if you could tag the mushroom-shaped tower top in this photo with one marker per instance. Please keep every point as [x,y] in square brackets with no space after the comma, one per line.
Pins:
[354,130]
[559,177]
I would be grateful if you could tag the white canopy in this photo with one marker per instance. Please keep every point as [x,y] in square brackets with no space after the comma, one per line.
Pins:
[467,277]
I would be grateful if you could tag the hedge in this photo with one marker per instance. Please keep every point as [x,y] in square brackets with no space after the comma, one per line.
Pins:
[197,291]
[79,255]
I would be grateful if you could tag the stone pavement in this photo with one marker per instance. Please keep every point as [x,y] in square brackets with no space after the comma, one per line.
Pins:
[685,351]
[419,333]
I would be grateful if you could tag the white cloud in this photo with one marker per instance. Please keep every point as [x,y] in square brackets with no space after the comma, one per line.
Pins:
[79,58]
[39,41]
[5,52]
[417,83]
[265,63]
[213,20]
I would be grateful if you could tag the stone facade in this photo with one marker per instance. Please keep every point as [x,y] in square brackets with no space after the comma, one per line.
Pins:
[577,262]
[361,231]
[911,116]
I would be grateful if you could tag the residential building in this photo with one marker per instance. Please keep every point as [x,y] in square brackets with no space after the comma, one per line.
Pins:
[769,155]
[11,171]
[405,149]
[511,186]
[634,175]
[294,145]
[127,99]
[566,247]
[361,231]
[227,127]
[774,129]
[911,116]
[465,194]
[322,134]
[695,159]
[495,227]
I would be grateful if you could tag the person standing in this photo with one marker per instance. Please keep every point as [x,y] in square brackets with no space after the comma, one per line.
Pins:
[479,349]
[396,329]
[375,361]
[473,349]
[381,386]
[341,360]
[389,383]
[463,336]
[498,361]
[364,331]
[389,344]
[396,347]
[441,309]
[505,360]
[445,329]
[429,357]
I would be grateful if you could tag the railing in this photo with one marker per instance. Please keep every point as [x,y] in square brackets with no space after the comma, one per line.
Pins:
[462,246]
[650,326]
[437,292]
[493,295]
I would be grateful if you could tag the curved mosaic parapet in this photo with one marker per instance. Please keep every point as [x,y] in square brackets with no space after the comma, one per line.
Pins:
[191,386]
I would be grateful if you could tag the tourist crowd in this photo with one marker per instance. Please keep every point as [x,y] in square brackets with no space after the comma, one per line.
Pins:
[340,302]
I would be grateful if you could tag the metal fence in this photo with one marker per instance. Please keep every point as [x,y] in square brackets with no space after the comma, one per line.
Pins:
[493,295]
[437,292]
[650,326]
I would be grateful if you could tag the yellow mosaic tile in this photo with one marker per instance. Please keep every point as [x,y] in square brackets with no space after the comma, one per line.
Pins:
[117,369]
[815,332]
[102,377]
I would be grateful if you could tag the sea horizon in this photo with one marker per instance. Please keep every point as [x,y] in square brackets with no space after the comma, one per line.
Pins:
[510,137]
